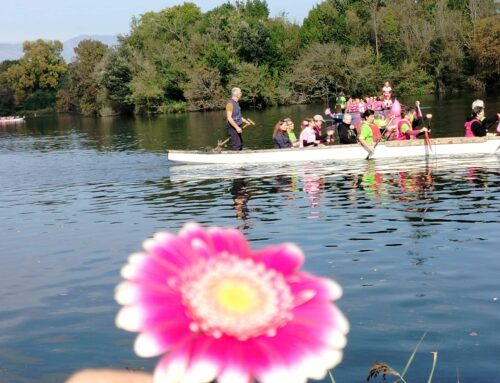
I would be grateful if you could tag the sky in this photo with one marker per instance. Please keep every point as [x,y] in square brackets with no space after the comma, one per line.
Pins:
[64,19]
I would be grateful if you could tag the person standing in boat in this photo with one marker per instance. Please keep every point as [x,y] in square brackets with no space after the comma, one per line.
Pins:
[234,119]
[387,90]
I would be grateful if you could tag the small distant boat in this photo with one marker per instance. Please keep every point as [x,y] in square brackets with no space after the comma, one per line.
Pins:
[11,120]
[454,146]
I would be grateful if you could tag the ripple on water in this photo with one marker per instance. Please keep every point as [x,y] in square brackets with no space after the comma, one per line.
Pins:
[413,244]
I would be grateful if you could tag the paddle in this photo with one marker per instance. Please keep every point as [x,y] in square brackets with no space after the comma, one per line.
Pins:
[426,133]
[221,143]
[380,139]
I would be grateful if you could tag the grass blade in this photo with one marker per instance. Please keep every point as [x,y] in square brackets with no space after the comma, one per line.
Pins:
[410,360]
[331,376]
[434,361]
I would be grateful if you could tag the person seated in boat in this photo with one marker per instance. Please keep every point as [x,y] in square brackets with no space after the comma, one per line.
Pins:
[330,139]
[477,103]
[341,101]
[489,122]
[419,120]
[307,135]
[291,133]
[477,124]
[347,131]
[280,135]
[377,104]
[404,129]
[317,125]
[366,138]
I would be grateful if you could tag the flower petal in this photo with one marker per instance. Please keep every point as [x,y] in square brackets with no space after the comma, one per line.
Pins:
[173,366]
[128,293]
[235,369]
[205,364]
[286,258]
[229,241]
[191,232]
[159,341]
[171,248]
[139,318]
[312,287]
[144,267]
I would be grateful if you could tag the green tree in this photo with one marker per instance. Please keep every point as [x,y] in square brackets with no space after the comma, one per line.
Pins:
[84,86]
[148,88]
[203,90]
[319,73]
[38,72]
[218,57]
[115,79]
[285,40]
[170,24]
[254,43]
[7,101]
[253,9]
[327,22]
[485,50]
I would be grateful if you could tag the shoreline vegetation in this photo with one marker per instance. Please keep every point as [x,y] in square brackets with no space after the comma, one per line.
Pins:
[180,59]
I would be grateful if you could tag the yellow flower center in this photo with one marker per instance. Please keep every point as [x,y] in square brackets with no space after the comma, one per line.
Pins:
[227,295]
[236,296]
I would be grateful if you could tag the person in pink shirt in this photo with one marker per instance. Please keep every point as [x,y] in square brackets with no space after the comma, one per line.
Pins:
[307,135]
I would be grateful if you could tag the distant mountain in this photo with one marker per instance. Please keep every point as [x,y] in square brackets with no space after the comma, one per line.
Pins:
[10,51]
[15,51]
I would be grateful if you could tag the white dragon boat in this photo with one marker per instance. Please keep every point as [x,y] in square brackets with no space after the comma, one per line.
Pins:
[11,120]
[454,146]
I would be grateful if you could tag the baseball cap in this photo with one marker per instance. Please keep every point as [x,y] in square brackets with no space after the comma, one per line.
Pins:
[318,117]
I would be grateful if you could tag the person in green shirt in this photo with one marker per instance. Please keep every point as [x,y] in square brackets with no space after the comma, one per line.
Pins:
[341,100]
[366,132]
[291,134]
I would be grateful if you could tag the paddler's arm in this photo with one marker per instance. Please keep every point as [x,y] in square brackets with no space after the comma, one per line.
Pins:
[363,143]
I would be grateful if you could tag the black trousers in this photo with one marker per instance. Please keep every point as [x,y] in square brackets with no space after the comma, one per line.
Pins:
[236,138]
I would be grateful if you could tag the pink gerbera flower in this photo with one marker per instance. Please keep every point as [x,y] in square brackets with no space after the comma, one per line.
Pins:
[219,310]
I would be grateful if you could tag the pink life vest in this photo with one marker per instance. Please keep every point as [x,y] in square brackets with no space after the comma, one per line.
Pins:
[468,127]
[396,108]
[399,134]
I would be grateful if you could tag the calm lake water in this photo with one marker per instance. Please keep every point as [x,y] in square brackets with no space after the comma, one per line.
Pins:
[414,244]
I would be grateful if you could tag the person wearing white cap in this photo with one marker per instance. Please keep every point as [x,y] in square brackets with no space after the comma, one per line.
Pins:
[478,103]
[486,122]
[318,121]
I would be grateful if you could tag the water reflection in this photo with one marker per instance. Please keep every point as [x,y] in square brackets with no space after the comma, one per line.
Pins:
[403,235]
[240,199]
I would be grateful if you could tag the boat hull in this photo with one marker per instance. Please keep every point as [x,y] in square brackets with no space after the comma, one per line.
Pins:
[11,121]
[413,148]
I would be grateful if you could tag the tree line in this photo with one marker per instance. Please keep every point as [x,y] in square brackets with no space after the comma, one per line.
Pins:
[182,59]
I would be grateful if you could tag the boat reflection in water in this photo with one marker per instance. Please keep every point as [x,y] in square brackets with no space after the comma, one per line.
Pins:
[240,202]
[321,187]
